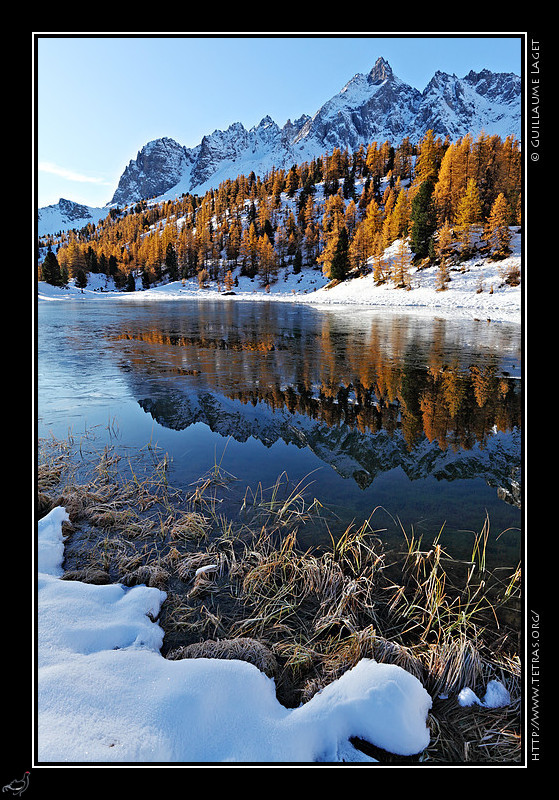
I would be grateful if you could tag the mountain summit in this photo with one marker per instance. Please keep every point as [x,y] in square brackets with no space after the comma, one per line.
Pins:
[382,71]
[378,106]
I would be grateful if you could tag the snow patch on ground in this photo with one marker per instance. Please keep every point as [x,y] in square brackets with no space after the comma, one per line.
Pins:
[105,693]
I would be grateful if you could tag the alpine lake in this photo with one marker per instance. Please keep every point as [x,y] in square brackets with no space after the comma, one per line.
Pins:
[411,421]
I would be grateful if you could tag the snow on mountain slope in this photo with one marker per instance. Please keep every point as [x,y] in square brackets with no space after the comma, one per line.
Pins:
[479,102]
[373,107]
[65,215]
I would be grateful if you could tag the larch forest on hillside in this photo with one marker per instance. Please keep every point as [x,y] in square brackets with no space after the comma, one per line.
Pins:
[447,200]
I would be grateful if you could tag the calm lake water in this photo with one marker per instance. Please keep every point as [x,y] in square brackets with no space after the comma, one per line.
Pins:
[412,418]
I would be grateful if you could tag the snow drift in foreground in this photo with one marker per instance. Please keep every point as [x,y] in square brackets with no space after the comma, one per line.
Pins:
[106,694]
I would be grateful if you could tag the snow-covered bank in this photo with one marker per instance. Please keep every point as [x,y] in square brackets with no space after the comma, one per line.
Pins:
[106,694]
[476,290]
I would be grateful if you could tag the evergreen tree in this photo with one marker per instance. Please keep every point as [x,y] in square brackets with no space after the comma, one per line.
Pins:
[348,188]
[268,230]
[112,268]
[120,279]
[171,262]
[80,278]
[297,261]
[340,261]
[50,270]
[423,220]
[145,278]
[91,260]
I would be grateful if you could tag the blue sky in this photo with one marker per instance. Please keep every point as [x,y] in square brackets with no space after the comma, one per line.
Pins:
[100,98]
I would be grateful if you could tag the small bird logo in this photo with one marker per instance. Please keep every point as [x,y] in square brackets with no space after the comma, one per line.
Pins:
[17,787]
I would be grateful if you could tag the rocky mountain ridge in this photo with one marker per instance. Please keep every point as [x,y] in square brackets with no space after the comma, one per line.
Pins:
[377,106]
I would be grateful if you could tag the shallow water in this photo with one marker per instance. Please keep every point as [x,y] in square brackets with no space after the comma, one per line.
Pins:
[412,420]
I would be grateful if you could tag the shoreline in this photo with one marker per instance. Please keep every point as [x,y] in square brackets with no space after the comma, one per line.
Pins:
[466,307]
[475,289]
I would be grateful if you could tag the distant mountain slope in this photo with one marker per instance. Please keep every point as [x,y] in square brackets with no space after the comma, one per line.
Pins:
[66,214]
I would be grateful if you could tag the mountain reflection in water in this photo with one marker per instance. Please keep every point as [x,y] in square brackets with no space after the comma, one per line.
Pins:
[412,419]
[366,394]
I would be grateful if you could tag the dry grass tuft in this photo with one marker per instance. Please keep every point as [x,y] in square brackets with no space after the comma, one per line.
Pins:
[147,574]
[192,525]
[87,575]
[241,649]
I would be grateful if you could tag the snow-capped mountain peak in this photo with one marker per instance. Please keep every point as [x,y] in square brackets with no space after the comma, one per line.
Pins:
[377,106]
[66,214]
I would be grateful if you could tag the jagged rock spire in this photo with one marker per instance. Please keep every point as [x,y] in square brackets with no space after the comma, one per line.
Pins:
[382,71]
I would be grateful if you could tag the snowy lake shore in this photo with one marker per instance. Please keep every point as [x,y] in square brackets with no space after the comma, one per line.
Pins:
[476,290]
[106,694]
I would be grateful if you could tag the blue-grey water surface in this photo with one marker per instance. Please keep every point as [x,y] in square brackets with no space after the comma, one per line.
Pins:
[401,416]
